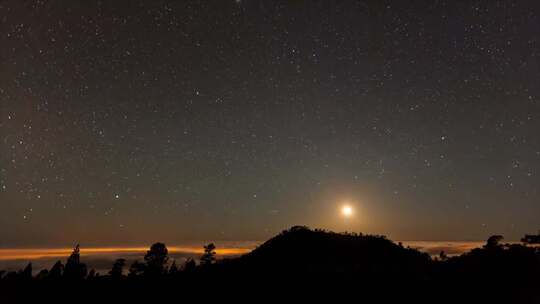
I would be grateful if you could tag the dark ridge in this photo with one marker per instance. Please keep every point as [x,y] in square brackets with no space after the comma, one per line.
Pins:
[302,250]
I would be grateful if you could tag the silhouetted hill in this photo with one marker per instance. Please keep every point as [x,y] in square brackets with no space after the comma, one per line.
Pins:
[301,250]
[305,264]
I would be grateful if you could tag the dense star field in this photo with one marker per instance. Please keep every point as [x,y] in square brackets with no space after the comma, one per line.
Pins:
[128,122]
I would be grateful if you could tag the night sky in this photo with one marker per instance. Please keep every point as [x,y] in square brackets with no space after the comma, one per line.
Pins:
[137,121]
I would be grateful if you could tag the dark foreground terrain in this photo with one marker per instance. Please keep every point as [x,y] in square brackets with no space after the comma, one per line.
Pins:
[297,265]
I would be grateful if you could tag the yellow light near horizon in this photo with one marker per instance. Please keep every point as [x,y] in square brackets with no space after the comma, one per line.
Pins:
[347,211]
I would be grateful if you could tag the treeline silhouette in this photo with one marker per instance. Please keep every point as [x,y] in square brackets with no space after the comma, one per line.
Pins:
[301,260]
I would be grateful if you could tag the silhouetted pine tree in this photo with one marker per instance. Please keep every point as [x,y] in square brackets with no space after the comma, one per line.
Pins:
[156,258]
[26,273]
[56,271]
[75,270]
[208,256]
[173,270]
[117,268]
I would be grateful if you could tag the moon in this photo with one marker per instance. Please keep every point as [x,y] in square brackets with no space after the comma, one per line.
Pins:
[347,211]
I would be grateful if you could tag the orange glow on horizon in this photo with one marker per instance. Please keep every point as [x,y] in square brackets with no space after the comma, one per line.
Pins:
[37,253]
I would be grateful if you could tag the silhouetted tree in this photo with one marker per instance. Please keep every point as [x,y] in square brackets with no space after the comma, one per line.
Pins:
[92,274]
[136,269]
[443,256]
[189,265]
[74,269]
[117,268]
[493,241]
[208,256]
[26,273]
[56,271]
[173,270]
[11,276]
[156,258]
[42,274]
[297,228]
[531,239]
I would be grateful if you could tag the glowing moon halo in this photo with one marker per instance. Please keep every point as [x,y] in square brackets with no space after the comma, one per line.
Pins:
[347,211]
